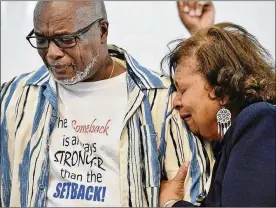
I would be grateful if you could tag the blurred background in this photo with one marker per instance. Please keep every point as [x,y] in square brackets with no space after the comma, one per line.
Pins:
[143,28]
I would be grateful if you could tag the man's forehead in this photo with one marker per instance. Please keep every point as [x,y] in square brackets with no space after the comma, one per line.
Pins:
[80,12]
[85,14]
[53,10]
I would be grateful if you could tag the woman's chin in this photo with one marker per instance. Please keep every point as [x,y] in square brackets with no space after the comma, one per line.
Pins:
[207,137]
[211,137]
[195,131]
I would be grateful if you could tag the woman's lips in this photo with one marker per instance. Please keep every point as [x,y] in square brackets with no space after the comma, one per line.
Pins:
[186,117]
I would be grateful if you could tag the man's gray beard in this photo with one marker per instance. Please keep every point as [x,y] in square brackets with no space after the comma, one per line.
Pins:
[80,74]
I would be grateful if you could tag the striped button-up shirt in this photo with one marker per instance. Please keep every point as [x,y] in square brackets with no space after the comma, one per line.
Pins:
[154,141]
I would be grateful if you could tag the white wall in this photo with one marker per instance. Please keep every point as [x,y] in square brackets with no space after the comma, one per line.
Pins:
[142,27]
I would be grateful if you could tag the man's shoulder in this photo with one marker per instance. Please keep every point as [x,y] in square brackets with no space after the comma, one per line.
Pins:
[164,88]
[167,81]
[18,83]
[144,77]
[29,77]
[163,96]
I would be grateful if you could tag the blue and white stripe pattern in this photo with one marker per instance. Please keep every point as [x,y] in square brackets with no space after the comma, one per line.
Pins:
[154,140]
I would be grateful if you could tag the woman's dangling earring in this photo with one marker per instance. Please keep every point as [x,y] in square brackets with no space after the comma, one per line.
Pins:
[223,120]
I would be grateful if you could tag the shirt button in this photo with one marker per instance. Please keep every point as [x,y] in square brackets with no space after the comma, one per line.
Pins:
[53,118]
[201,197]
[41,187]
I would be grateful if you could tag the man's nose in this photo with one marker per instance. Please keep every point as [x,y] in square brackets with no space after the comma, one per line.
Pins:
[177,104]
[54,52]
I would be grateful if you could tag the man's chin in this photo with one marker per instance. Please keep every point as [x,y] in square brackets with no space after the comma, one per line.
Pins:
[62,76]
[63,79]
[71,77]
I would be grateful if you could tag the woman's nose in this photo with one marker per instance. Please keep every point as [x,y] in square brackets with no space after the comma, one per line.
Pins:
[177,104]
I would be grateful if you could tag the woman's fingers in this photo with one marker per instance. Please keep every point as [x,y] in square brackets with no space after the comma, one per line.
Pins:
[193,8]
[182,173]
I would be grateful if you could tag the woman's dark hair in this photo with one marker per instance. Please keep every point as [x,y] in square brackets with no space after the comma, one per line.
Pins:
[232,60]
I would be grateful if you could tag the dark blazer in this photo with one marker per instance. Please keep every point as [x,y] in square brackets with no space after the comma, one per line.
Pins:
[244,171]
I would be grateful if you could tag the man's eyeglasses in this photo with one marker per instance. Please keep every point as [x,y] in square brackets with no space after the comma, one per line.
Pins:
[62,41]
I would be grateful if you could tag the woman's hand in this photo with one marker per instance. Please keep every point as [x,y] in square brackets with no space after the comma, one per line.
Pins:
[174,189]
[196,15]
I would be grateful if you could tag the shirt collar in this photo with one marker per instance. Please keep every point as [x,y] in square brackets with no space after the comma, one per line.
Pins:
[142,77]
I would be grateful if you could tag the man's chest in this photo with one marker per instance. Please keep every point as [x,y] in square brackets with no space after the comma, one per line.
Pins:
[84,154]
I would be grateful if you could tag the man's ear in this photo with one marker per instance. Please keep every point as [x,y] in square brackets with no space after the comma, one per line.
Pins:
[104,31]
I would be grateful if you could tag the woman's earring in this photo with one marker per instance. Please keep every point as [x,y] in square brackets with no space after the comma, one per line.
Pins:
[223,120]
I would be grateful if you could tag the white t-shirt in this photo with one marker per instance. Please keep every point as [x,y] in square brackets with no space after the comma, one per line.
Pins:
[84,146]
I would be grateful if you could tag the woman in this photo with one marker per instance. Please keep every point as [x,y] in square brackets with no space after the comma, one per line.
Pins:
[225,85]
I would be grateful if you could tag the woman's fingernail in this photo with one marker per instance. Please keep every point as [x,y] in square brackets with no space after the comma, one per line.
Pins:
[198,13]
[186,9]
[186,164]
[192,13]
